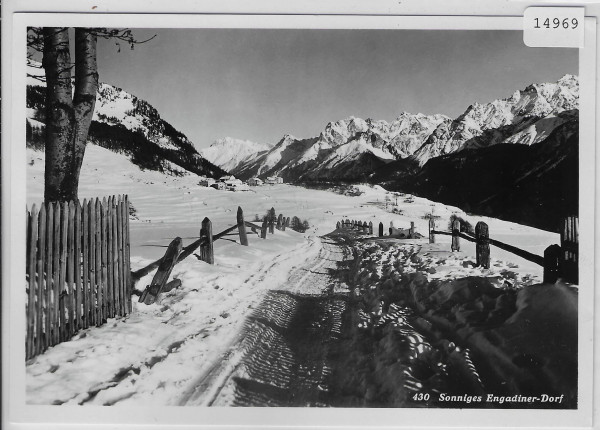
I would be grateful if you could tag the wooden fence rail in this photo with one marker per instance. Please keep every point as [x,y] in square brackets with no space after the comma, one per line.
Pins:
[557,261]
[78,271]
[175,253]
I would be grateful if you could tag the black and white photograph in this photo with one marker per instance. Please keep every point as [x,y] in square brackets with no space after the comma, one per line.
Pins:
[346,217]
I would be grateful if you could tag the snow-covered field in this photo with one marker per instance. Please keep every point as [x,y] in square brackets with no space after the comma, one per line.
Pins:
[160,351]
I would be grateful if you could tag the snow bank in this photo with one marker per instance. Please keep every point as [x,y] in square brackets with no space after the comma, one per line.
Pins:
[467,331]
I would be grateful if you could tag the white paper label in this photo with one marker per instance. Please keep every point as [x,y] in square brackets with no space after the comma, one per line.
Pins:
[558,27]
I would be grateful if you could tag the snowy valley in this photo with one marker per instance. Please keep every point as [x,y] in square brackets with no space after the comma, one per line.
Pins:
[329,316]
[198,344]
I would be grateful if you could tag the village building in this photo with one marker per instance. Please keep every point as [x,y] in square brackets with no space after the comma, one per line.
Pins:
[219,186]
[227,178]
[255,182]
[206,182]
[236,185]
[274,180]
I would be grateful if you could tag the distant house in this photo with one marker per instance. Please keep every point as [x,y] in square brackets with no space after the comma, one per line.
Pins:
[274,180]
[206,182]
[233,181]
[255,182]
[235,185]
[227,178]
[218,186]
[238,186]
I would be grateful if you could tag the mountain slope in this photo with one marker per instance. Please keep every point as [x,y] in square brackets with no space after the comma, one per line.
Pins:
[535,185]
[126,124]
[228,152]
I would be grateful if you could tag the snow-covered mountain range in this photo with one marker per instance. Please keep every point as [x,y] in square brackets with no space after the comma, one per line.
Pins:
[126,124]
[527,117]
[354,148]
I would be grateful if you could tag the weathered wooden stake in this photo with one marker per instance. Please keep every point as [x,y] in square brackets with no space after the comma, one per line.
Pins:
[431,230]
[365,227]
[380,229]
[287,222]
[337,226]
[207,252]
[359,224]
[482,240]
[272,221]
[552,256]
[371,227]
[263,230]
[569,242]
[411,232]
[279,222]
[455,238]
[242,227]
[151,292]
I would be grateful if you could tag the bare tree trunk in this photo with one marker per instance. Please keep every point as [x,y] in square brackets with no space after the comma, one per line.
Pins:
[68,116]
[60,117]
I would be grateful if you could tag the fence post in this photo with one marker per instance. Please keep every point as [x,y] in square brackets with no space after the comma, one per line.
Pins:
[64,297]
[431,230]
[482,240]
[272,221]
[119,304]
[129,286]
[263,230]
[283,224]
[43,287]
[32,228]
[455,239]
[55,273]
[162,274]
[370,227]
[551,263]
[71,290]
[365,227]
[359,224]
[287,222]
[411,232]
[207,252]
[279,222]
[569,242]
[337,226]
[242,227]
[380,229]
[106,296]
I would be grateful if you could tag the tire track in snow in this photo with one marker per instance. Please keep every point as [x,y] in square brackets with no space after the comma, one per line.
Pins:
[281,357]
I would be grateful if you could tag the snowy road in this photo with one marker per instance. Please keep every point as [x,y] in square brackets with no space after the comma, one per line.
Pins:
[280,358]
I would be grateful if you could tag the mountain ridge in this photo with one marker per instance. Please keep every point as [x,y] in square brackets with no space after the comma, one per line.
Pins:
[526,117]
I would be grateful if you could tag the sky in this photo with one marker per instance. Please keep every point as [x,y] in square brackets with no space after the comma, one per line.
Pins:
[260,84]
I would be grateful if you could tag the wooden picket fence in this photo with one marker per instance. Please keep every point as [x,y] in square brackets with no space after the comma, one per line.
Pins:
[176,252]
[362,226]
[367,228]
[78,270]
